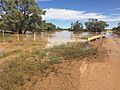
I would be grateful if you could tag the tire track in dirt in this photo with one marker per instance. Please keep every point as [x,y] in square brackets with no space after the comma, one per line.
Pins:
[104,75]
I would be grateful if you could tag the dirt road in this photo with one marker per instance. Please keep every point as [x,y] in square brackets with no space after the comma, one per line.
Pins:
[106,75]
[84,75]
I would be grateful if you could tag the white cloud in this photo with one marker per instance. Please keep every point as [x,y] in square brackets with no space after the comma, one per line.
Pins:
[115,14]
[112,19]
[66,14]
[116,9]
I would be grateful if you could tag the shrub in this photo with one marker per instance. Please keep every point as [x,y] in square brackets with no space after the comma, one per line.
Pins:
[72,51]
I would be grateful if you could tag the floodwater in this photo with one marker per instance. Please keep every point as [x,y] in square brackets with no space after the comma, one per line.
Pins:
[63,37]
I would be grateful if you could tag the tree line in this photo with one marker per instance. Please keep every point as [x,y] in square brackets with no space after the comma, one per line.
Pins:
[117,29]
[93,25]
[25,15]
[22,15]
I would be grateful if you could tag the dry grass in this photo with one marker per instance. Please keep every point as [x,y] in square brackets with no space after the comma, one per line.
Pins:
[11,42]
[11,47]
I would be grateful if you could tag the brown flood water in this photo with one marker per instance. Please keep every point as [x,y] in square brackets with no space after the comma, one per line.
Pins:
[60,37]
[63,37]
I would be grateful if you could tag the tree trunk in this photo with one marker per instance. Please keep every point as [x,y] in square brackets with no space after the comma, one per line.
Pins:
[34,36]
[21,27]
[18,36]
[25,32]
[3,33]
[20,31]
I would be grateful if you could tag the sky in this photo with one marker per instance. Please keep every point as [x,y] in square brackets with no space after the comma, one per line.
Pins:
[63,12]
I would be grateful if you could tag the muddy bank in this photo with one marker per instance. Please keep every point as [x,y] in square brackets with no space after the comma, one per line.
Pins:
[99,74]
[70,74]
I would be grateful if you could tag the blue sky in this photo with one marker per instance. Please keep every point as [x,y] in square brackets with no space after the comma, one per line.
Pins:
[63,12]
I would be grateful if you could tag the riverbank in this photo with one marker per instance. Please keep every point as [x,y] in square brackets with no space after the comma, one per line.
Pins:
[117,33]
[103,75]
[99,74]
[70,74]
[95,74]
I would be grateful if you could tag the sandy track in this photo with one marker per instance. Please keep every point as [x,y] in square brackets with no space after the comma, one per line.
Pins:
[106,75]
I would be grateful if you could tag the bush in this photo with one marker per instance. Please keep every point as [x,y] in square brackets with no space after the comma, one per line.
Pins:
[72,51]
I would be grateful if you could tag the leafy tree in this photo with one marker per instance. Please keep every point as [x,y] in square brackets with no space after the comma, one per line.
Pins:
[50,26]
[114,28]
[117,29]
[20,15]
[90,26]
[77,26]
[100,25]
[95,25]
[47,26]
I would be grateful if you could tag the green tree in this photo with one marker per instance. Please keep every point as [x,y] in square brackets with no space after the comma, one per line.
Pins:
[100,25]
[118,24]
[77,26]
[117,29]
[20,15]
[90,26]
[50,26]
[95,25]
[45,26]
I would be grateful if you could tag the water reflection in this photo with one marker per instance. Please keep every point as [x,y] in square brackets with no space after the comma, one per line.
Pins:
[109,34]
[60,37]
[63,37]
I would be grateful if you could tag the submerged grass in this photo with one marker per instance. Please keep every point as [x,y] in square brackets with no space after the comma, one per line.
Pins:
[72,51]
[39,63]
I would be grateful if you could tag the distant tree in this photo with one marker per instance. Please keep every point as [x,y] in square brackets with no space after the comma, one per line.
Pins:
[117,29]
[118,24]
[50,26]
[95,25]
[58,28]
[100,25]
[77,26]
[114,28]
[20,15]
[90,26]
[45,26]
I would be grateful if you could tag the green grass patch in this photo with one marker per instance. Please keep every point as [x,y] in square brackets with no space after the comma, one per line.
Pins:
[72,51]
